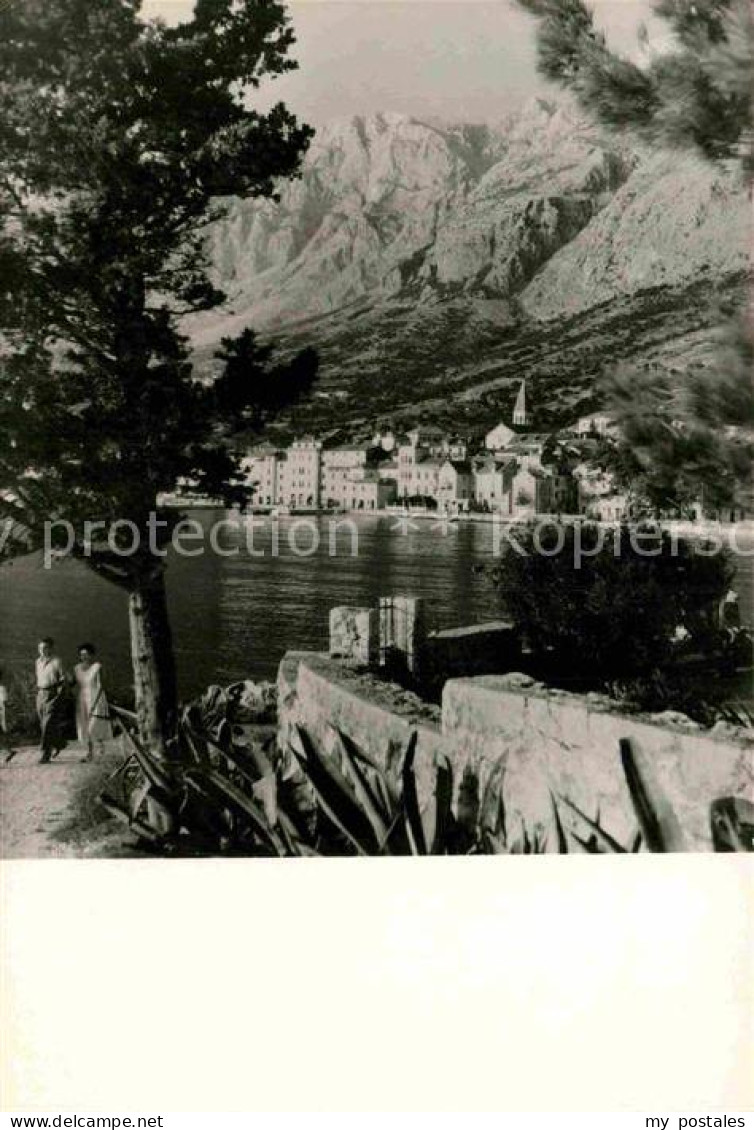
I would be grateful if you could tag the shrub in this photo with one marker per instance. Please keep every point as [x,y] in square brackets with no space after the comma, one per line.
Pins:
[21,709]
[601,605]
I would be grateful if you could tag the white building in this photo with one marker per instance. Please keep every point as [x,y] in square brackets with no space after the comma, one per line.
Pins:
[425,479]
[262,468]
[455,487]
[455,448]
[407,456]
[492,483]
[598,424]
[528,449]
[337,464]
[499,438]
[388,472]
[299,475]
[365,490]
[536,490]
[428,437]
[598,495]
[418,473]
[420,456]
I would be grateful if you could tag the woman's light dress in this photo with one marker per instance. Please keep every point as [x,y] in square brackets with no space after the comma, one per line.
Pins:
[92,711]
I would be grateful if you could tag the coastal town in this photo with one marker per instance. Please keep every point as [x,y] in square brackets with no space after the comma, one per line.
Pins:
[513,471]
[376,561]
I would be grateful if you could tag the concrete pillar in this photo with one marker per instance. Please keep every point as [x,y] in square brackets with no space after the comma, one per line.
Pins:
[403,630]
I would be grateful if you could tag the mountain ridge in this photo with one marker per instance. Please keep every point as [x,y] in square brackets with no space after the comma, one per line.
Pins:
[397,227]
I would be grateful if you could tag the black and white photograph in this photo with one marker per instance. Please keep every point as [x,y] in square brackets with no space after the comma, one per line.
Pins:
[379,485]
[376,432]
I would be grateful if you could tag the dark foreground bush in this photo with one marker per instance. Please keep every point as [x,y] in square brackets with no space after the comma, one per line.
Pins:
[607,606]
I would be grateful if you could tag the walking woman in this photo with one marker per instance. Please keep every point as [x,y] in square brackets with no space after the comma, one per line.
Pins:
[92,711]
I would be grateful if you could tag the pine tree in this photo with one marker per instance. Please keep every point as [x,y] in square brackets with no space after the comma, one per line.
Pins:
[119,139]
[697,95]
[686,437]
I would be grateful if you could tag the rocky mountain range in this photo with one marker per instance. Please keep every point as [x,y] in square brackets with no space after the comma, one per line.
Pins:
[434,266]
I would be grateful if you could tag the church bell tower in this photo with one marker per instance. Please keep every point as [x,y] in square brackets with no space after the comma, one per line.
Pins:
[519,410]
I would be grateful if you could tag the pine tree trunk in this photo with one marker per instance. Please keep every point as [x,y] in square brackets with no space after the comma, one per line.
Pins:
[155,680]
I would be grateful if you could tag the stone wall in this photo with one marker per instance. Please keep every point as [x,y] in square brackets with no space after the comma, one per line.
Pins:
[568,744]
[319,693]
[546,740]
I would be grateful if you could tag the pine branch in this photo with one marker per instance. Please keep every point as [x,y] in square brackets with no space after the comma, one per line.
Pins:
[698,96]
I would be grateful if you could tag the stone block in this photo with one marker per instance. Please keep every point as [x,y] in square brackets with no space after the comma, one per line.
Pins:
[354,635]
[481,649]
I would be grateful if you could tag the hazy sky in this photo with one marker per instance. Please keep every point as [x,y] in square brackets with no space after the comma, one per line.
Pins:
[458,60]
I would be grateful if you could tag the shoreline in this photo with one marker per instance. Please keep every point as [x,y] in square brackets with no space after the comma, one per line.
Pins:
[677,526]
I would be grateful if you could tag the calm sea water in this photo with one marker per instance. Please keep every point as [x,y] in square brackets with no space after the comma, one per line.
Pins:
[234,616]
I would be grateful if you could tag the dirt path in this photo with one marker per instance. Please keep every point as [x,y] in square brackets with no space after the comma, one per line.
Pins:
[52,810]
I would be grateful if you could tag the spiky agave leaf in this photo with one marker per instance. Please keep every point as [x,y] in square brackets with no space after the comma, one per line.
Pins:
[116,809]
[194,745]
[335,795]
[589,847]
[602,837]
[243,805]
[389,792]
[371,803]
[492,807]
[204,811]
[151,768]
[732,824]
[443,807]
[660,827]
[562,839]
[138,796]
[395,841]
[413,819]
[255,770]
[520,844]
[490,844]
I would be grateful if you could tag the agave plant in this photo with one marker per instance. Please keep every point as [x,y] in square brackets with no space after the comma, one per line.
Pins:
[215,796]
[732,824]
[226,792]
[375,811]
[658,828]
[222,793]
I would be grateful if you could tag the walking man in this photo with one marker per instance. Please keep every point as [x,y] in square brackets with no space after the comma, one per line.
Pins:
[51,687]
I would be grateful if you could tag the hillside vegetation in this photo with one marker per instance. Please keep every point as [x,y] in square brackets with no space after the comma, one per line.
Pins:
[433,266]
